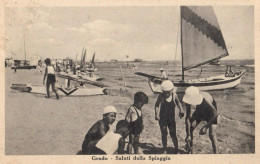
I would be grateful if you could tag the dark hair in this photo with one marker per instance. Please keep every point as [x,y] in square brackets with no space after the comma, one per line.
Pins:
[140,97]
[122,124]
[47,61]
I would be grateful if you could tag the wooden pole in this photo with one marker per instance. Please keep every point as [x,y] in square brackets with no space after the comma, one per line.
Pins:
[123,77]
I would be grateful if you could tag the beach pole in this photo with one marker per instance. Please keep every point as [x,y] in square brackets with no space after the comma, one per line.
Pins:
[123,77]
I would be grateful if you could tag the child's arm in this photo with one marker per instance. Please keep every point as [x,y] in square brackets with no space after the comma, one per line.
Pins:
[187,122]
[156,108]
[214,112]
[178,103]
[121,146]
[203,130]
[128,115]
[45,74]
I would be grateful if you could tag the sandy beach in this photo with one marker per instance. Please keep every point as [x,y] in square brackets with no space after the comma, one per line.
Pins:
[35,125]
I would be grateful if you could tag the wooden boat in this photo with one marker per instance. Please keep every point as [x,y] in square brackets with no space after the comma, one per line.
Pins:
[75,91]
[96,88]
[24,67]
[201,43]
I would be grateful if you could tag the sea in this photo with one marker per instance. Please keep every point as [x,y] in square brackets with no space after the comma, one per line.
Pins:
[236,104]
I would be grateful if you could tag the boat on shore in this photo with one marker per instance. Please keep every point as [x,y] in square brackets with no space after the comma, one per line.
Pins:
[202,43]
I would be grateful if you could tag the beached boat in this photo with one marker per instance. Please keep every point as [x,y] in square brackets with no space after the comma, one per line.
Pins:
[74,91]
[81,75]
[201,43]
[94,88]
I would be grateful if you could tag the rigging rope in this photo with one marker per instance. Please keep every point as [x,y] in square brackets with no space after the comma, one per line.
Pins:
[176,45]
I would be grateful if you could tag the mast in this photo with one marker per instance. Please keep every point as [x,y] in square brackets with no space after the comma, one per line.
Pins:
[181,47]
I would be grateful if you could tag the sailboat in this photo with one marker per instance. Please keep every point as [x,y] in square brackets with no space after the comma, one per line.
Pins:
[23,64]
[201,43]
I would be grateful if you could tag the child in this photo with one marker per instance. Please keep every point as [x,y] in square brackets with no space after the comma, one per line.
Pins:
[135,118]
[98,130]
[205,110]
[166,113]
[113,142]
[51,78]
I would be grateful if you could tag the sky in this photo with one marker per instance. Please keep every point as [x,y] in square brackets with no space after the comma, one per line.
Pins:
[122,33]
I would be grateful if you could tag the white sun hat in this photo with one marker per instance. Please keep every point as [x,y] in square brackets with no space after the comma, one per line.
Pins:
[192,96]
[167,85]
[109,109]
[161,69]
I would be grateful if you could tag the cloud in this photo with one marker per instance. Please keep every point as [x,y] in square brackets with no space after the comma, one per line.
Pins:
[74,29]
[39,26]
[104,28]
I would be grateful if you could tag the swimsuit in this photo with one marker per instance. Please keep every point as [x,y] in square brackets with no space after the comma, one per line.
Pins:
[202,112]
[167,112]
[136,127]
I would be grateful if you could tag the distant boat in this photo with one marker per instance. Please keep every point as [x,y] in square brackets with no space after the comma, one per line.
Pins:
[23,64]
[202,43]
[215,62]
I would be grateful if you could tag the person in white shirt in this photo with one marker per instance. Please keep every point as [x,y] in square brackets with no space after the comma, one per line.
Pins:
[51,78]
[164,76]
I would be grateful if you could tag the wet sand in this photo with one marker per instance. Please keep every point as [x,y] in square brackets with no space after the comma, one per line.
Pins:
[35,125]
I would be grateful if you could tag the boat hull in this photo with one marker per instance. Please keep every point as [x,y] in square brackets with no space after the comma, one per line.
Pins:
[204,84]
[24,67]
[41,89]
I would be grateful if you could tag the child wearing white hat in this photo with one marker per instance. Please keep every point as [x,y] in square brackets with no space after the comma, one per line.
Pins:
[205,110]
[98,130]
[165,113]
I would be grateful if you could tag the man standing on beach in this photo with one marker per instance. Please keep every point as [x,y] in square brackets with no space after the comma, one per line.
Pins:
[205,110]
[164,76]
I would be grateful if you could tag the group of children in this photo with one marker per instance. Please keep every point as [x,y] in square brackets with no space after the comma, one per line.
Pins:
[99,140]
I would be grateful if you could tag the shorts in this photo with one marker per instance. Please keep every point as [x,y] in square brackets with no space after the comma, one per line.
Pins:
[51,78]
[136,130]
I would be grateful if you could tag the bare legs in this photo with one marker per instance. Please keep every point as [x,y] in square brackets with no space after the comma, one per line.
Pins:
[133,143]
[164,132]
[53,89]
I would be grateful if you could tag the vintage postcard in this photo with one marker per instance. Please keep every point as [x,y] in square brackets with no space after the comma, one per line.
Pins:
[129,81]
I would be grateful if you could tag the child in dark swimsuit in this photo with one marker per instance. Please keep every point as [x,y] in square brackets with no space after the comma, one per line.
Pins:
[135,118]
[165,113]
[205,110]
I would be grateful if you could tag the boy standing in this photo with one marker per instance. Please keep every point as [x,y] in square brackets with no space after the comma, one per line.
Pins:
[99,129]
[205,110]
[166,113]
[135,118]
[51,78]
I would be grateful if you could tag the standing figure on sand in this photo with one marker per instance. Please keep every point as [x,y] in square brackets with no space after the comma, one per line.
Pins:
[164,76]
[165,113]
[51,78]
[205,110]
[135,117]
